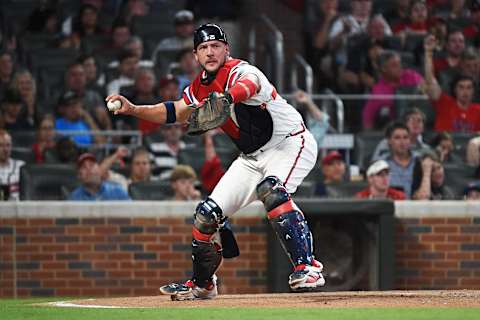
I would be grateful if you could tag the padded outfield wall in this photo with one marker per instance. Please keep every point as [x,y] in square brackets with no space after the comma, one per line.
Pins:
[113,248]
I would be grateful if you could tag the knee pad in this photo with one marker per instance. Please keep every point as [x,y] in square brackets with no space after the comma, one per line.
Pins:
[272,192]
[206,218]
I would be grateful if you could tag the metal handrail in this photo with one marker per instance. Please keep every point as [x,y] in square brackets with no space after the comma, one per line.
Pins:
[277,46]
[340,110]
[320,96]
[299,61]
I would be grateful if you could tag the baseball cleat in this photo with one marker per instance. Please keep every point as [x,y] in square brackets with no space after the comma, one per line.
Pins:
[306,277]
[190,291]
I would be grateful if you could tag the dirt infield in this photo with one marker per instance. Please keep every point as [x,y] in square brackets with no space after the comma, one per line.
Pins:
[368,299]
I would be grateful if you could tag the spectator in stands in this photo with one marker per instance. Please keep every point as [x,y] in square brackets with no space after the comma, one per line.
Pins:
[473,152]
[454,48]
[472,31]
[44,19]
[361,71]
[316,38]
[184,27]
[86,24]
[414,119]
[472,191]
[346,26]
[378,176]
[135,46]
[417,22]
[13,112]
[6,70]
[167,89]
[165,153]
[127,68]
[455,113]
[66,151]
[116,159]
[189,69]
[378,111]
[73,117]
[140,166]
[135,8]
[457,10]
[92,187]
[120,34]
[95,80]
[9,169]
[24,83]
[143,92]
[45,139]
[429,180]
[317,121]
[443,145]
[399,13]
[469,66]
[401,159]
[333,168]
[212,169]
[76,82]
[182,181]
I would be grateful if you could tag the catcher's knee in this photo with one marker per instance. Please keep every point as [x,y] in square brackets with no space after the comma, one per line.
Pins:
[274,195]
[205,220]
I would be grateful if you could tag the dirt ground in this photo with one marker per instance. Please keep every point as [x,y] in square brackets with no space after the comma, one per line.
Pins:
[372,299]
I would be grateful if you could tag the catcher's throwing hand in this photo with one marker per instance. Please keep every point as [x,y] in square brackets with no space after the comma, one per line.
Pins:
[126,107]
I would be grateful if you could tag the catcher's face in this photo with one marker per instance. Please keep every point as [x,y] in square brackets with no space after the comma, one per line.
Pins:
[211,55]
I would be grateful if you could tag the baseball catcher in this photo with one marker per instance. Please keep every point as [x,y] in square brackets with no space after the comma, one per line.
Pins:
[277,152]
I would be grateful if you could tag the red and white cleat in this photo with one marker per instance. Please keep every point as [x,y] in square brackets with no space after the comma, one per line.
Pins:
[190,291]
[307,277]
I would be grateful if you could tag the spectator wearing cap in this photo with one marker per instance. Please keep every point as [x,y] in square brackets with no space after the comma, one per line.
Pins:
[378,176]
[472,191]
[184,27]
[167,90]
[9,169]
[127,68]
[92,187]
[378,112]
[182,182]
[429,180]
[13,114]
[73,117]
[414,119]
[333,168]
[401,159]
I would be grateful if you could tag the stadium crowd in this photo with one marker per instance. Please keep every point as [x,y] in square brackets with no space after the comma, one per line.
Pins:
[59,59]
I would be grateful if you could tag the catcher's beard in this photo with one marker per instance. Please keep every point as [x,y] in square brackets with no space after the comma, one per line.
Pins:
[211,75]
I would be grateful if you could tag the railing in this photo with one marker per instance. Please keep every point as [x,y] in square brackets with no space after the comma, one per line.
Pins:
[299,62]
[272,49]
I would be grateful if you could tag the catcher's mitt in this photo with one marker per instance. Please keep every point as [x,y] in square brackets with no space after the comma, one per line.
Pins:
[211,114]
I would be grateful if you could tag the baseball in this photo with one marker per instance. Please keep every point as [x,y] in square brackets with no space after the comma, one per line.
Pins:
[114,105]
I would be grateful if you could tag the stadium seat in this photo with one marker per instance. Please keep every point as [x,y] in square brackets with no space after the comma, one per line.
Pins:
[345,189]
[305,190]
[458,177]
[23,139]
[150,190]
[365,144]
[45,181]
[195,157]
[23,153]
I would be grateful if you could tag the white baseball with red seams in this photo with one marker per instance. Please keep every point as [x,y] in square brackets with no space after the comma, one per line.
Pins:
[114,105]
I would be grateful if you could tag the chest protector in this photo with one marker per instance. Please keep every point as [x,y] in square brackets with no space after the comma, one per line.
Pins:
[255,125]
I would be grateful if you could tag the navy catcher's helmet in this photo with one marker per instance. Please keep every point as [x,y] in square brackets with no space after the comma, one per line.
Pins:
[208,32]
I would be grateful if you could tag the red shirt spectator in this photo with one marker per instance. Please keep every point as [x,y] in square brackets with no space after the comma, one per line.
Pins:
[450,116]
[391,194]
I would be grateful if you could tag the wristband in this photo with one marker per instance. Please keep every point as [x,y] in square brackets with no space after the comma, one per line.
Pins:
[171,115]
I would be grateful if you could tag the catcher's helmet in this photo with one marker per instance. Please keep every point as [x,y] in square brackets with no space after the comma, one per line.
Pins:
[208,32]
